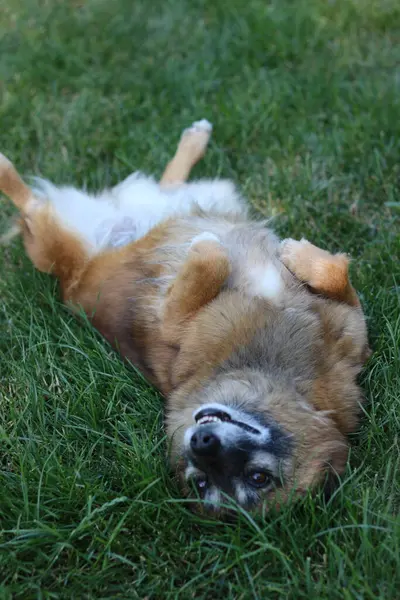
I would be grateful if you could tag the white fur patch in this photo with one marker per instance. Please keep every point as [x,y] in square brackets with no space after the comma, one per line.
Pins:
[190,471]
[33,204]
[128,211]
[206,236]
[266,282]
[213,497]
[202,125]
[241,494]
[188,436]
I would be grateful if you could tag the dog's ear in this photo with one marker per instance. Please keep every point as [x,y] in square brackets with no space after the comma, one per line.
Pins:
[327,462]
[366,353]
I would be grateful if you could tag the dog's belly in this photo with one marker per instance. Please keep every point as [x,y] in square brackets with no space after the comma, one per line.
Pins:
[128,302]
[131,209]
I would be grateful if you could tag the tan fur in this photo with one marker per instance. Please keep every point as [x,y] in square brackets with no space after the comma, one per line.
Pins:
[190,150]
[12,184]
[179,334]
[198,282]
[322,446]
[325,273]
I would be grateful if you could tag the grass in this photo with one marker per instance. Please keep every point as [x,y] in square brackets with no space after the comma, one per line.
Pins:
[305,99]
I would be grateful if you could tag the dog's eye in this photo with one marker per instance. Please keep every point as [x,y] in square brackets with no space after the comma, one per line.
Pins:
[258,479]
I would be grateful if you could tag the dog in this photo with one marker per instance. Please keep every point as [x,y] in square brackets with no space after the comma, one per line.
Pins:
[255,343]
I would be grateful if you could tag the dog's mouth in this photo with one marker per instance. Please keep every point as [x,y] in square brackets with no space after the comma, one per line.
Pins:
[209,415]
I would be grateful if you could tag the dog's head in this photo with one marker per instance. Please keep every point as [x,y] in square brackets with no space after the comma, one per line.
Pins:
[253,440]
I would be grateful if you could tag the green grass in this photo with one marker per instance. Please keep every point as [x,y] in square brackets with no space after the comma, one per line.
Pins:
[305,99]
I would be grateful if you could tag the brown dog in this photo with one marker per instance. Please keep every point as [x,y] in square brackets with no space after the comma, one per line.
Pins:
[255,343]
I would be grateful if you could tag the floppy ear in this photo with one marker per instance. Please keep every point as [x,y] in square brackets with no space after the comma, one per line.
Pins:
[198,282]
[366,353]
[326,462]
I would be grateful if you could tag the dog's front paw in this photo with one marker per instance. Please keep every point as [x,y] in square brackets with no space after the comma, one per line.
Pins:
[206,236]
[299,258]
[292,252]
[206,242]
[325,272]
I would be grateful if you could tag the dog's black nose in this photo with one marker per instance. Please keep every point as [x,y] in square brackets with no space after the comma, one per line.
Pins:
[205,443]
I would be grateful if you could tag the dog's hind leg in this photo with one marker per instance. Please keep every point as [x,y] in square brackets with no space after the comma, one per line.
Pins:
[326,274]
[191,149]
[49,245]
[12,185]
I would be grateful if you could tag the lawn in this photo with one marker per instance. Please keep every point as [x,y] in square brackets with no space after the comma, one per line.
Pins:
[305,101]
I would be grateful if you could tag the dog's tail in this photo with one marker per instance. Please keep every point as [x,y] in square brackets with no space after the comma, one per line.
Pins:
[19,193]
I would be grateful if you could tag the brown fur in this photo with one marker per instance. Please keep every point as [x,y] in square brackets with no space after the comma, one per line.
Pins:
[325,273]
[198,282]
[190,150]
[183,334]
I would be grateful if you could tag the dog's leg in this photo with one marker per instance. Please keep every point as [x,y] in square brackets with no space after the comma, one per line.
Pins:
[48,244]
[198,282]
[12,185]
[191,149]
[327,274]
